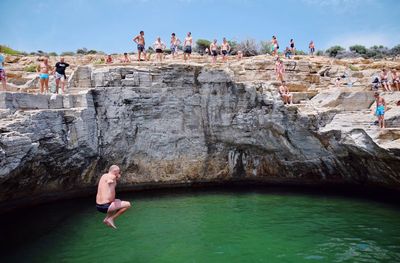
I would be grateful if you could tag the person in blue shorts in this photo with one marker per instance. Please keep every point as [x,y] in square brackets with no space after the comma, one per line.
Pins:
[380,109]
[139,40]
[44,70]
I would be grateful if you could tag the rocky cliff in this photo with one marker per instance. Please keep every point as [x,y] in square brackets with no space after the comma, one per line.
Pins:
[184,123]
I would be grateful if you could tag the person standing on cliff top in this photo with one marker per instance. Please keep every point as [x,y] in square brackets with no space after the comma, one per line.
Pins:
[105,199]
[214,51]
[380,109]
[44,69]
[175,42]
[275,46]
[2,73]
[60,74]
[159,46]
[311,46]
[187,46]
[139,40]
[225,49]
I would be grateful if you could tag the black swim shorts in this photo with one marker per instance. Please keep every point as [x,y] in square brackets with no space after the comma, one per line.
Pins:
[103,207]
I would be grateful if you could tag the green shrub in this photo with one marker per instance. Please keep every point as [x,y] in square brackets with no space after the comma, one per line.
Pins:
[300,52]
[67,53]
[333,51]
[100,61]
[359,49]
[320,53]
[395,51]
[265,47]
[202,44]
[31,68]
[234,47]
[8,50]
[353,68]
[81,51]
[53,54]
[92,51]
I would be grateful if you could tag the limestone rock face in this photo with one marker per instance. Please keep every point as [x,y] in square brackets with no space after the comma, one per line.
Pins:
[188,123]
[46,144]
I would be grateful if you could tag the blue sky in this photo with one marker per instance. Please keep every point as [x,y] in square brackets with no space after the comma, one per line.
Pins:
[110,25]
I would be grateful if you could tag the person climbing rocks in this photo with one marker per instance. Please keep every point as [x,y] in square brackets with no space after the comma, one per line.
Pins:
[279,70]
[105,199]
[380,109]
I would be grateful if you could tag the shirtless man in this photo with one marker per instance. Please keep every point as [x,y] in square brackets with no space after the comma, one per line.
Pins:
[214,51]
[105,199]
[44,69]
[380,109]
[279,70]
[311,46]
[395,79]
[385,81]
[159,46]
[126,58]
[139,40]
[175,42]
[60,74]
[225,48]
[187,46]
[2,73]
[286,96]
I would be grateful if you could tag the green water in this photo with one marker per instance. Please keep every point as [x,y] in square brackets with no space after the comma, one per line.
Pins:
[208,227]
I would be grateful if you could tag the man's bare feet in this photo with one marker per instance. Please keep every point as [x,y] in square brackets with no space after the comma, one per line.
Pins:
[109,222]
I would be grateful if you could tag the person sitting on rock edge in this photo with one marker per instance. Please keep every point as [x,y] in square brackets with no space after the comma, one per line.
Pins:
[385,81]
[287,97]
[380,109]
[125,58]
[395,79]
[109,59]
[105,198]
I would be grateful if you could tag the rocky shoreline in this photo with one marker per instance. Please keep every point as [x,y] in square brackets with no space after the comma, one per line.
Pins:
[178,123]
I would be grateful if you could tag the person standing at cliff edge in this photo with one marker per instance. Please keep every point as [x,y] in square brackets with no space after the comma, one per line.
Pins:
[139,40]
[187,46]
[60,74]
[2,73]
[105,199]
